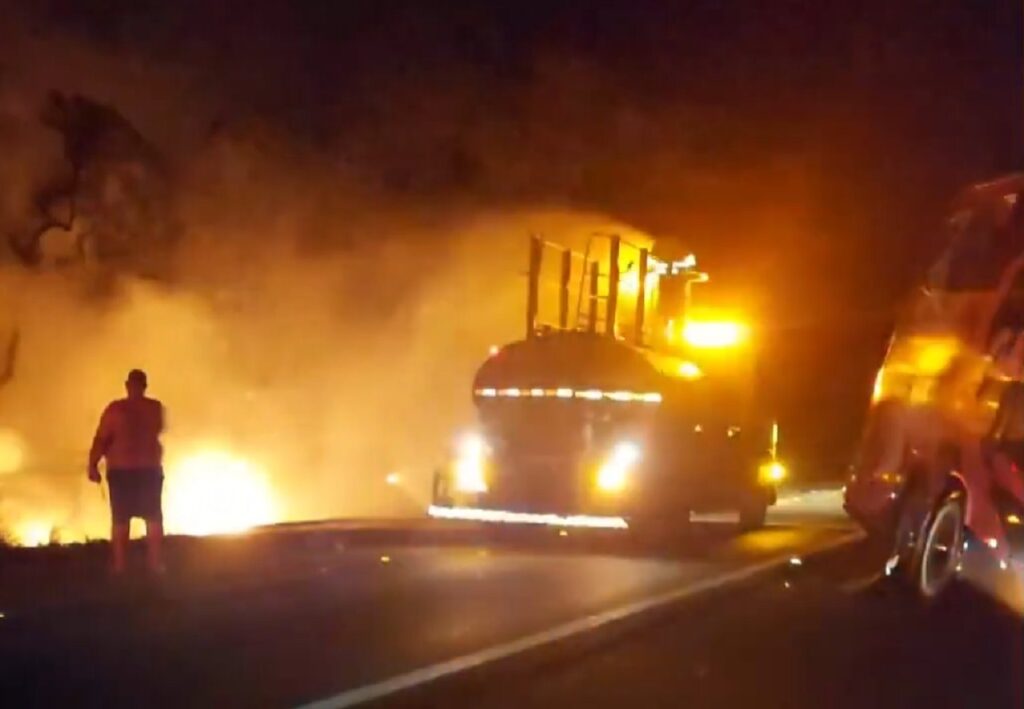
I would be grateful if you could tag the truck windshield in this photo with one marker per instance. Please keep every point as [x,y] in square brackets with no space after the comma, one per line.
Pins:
[551,427]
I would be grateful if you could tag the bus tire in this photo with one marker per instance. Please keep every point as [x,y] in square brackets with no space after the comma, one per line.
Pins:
[941,547]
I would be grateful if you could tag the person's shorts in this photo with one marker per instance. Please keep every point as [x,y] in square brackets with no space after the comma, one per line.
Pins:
[136,493]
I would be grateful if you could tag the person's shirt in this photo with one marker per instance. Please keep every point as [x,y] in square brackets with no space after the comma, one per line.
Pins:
[129,434]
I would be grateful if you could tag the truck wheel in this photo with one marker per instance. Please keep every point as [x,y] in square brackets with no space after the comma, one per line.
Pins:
[681,522]
[661,529]
[752,516]
[439,494]
[941,547]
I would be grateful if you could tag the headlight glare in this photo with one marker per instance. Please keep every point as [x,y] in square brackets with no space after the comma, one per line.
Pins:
[613,476]
[470,465]
[772,472]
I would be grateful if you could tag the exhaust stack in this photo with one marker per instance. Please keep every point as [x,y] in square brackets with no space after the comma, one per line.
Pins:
[563,290]
[613,286]
[533,284]
[641,299]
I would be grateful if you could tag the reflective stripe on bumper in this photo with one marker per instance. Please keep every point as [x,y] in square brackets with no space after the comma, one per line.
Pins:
[477,514]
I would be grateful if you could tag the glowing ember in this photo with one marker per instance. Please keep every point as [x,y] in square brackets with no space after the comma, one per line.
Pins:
[214,492]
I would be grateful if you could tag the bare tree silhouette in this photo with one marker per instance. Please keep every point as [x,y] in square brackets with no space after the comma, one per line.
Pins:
[104,155]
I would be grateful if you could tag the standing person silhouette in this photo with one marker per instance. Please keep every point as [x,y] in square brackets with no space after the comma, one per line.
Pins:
[128,437]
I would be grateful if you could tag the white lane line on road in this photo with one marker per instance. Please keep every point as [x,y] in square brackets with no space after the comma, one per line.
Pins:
[431,673]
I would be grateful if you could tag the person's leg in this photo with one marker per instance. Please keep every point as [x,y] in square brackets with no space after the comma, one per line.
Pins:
[120,521]
[154,544]
[119,544]
[154,520]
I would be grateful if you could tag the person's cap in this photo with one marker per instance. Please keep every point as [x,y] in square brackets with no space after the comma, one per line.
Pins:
[137,376]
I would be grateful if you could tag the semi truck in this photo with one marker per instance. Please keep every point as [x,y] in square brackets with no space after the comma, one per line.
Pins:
[630,408]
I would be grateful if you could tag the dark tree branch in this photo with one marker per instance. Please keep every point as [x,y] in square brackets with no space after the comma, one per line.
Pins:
[29,251]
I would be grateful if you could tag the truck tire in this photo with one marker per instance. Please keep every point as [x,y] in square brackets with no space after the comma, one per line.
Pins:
[440,494]
[753,515]
[661,529]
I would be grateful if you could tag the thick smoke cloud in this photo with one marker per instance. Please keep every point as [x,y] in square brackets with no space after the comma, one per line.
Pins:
[324,329]
[351,183]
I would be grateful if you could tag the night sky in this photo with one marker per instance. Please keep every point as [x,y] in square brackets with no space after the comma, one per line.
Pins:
[804,149]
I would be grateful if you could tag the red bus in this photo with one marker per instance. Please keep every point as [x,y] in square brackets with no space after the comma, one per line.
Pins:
[940,461]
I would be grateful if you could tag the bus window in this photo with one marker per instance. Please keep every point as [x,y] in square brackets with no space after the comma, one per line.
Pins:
[983,241]
[971,259]
[1009,423]
[1010,315]
[1006,338]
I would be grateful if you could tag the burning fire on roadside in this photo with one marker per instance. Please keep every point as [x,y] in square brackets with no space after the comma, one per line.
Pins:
[213,491]
[208,490]
[34,533]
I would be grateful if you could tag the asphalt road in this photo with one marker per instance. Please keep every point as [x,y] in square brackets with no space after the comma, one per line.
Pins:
[800,638]
[501,618]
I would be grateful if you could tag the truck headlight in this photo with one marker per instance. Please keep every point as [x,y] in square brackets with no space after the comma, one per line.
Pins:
[613,476]
[772,472]
[471,465]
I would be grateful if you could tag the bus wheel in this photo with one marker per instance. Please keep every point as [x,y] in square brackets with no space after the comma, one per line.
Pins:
[941,548]
[752,515]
